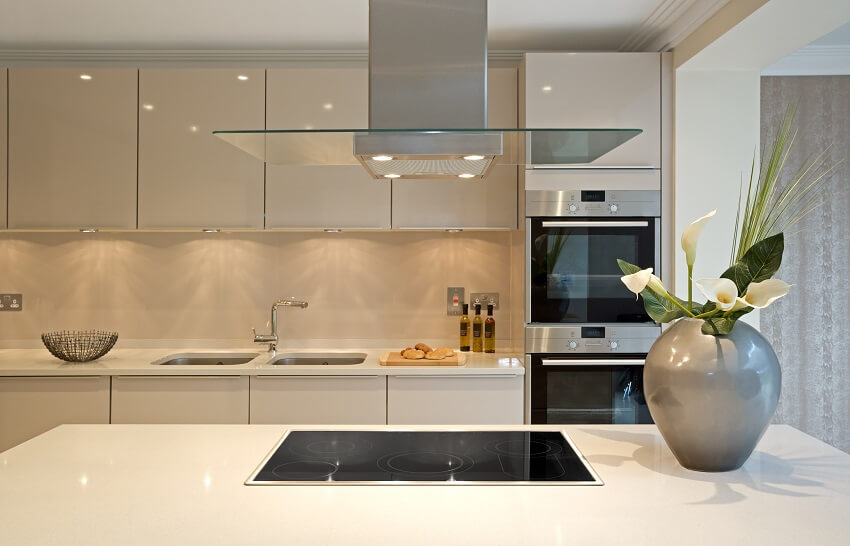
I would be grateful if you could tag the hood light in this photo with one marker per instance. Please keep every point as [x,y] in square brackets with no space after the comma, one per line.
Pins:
[242,77]
[382,157]
[211,230]
[88,230]
[86,77]
[454,230]
[473,157]
[333,230]
[392,175]
[466,175]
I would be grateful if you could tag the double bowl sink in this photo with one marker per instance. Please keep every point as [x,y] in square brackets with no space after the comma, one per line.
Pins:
[282,359]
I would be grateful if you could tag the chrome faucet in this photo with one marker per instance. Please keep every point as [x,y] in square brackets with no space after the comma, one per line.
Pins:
[272,338]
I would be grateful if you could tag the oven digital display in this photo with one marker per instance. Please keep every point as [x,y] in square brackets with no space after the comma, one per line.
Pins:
[592,331]
[593,195]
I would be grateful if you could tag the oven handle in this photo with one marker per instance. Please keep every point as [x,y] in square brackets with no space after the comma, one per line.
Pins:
[600,224]
[592,362]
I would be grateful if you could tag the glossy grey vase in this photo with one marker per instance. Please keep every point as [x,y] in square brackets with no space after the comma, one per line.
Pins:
[712,397]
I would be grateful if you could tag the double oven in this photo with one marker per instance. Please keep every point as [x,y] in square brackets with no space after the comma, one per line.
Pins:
[586,335]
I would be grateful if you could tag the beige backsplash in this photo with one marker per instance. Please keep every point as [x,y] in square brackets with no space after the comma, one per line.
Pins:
[177,286]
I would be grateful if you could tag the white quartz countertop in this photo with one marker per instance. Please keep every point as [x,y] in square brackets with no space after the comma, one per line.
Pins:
[183,484]
[39,362]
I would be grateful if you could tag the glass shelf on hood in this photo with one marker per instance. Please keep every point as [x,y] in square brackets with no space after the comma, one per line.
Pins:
[426,153]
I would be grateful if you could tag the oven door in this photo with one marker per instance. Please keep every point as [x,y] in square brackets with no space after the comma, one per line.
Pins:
[573,276]
[583,389]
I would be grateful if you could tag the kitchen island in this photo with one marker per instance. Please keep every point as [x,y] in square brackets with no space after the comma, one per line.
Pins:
[183,484]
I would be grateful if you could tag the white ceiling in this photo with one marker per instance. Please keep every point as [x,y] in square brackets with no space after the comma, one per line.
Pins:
[331,24]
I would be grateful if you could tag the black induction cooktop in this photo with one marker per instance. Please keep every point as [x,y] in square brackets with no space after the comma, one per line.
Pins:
[398,457]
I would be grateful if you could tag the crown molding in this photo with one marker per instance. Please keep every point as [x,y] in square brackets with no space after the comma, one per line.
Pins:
[212,57]
[671,22]
[813,60]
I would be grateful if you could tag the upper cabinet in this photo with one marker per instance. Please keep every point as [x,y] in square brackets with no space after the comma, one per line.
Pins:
[72,148]
[305,197]
[3,126]
[599,90]
[454,203]
[188,178]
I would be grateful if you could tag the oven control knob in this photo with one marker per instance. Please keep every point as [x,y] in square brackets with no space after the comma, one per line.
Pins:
[572,208]
[573,344]
[613,344]
[613,208]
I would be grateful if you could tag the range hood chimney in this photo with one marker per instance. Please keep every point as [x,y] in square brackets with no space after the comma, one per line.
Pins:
[428,71]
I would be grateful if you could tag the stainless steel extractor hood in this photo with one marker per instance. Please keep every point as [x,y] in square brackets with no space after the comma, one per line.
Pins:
[428,106]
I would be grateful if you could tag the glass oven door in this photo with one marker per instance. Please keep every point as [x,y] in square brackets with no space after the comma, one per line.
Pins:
[574,276]
[582,389]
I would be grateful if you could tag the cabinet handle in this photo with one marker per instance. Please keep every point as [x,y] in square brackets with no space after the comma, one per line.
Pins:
[593,167]
[313,376]
[592,362]
[594,224]
[457,376]
[180,376]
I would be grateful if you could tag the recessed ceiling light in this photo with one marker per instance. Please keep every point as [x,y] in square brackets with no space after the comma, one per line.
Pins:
[328,106]
[473,157]
[85,77]
[211,230]
[193,128]
[382,157]
[147,106]
[547,88]
[308,127]
[392,175]
[242,77]
[333,230]
[89,230]
[466,175]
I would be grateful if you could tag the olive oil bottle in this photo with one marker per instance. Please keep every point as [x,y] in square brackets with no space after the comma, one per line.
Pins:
[477,330]
[464,329]
[490,331]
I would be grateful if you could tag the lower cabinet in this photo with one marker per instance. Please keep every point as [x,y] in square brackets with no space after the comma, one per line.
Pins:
[210,399]
[314,400]
[455,399]
[32,405]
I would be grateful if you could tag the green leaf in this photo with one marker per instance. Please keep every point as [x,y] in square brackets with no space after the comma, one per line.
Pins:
[659,308]
[722,325]
[759,263]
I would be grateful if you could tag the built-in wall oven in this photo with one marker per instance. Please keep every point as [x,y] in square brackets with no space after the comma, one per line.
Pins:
[586,334]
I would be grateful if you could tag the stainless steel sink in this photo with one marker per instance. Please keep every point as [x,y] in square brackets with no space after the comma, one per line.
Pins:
[206,359]
[318,359]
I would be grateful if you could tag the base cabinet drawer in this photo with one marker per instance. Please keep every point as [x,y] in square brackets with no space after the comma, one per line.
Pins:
[319,400]
[455,400]
[214,399]
[32,405]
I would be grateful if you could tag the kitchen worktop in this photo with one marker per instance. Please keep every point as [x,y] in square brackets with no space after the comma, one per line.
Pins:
[138,361]
[183,484]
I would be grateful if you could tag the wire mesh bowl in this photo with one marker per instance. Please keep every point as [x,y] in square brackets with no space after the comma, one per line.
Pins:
[79,346]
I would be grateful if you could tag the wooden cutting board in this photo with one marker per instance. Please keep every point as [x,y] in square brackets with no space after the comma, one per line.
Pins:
[395,359]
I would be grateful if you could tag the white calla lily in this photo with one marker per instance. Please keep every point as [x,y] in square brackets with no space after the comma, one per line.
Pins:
[636,282]
[657,286]
[690,236]
[723,292]
[761,294]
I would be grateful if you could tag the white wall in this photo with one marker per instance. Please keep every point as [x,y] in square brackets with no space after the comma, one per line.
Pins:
[717,133]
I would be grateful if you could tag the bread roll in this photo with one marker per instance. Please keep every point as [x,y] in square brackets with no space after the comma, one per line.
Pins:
[413,354]
[435,355]
[422,347]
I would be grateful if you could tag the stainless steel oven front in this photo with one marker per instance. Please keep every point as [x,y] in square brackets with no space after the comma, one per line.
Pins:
[587,374]
[573,241]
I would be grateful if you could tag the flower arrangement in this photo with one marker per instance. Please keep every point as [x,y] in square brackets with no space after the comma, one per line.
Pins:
[757,248]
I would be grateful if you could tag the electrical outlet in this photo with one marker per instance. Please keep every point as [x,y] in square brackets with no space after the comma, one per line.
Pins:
[484,298]
[454,300]
[11,302]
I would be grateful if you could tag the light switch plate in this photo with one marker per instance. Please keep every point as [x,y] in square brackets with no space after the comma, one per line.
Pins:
[454,300]
[484,298]
[11,302]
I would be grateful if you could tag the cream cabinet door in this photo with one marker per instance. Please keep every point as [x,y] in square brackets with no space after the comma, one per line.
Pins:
[599,90]
[322,196]
[490,203]
[212,399]
[455,399]
[32,405]
[3,149]
[72,148]
[189,178]
[314,400]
